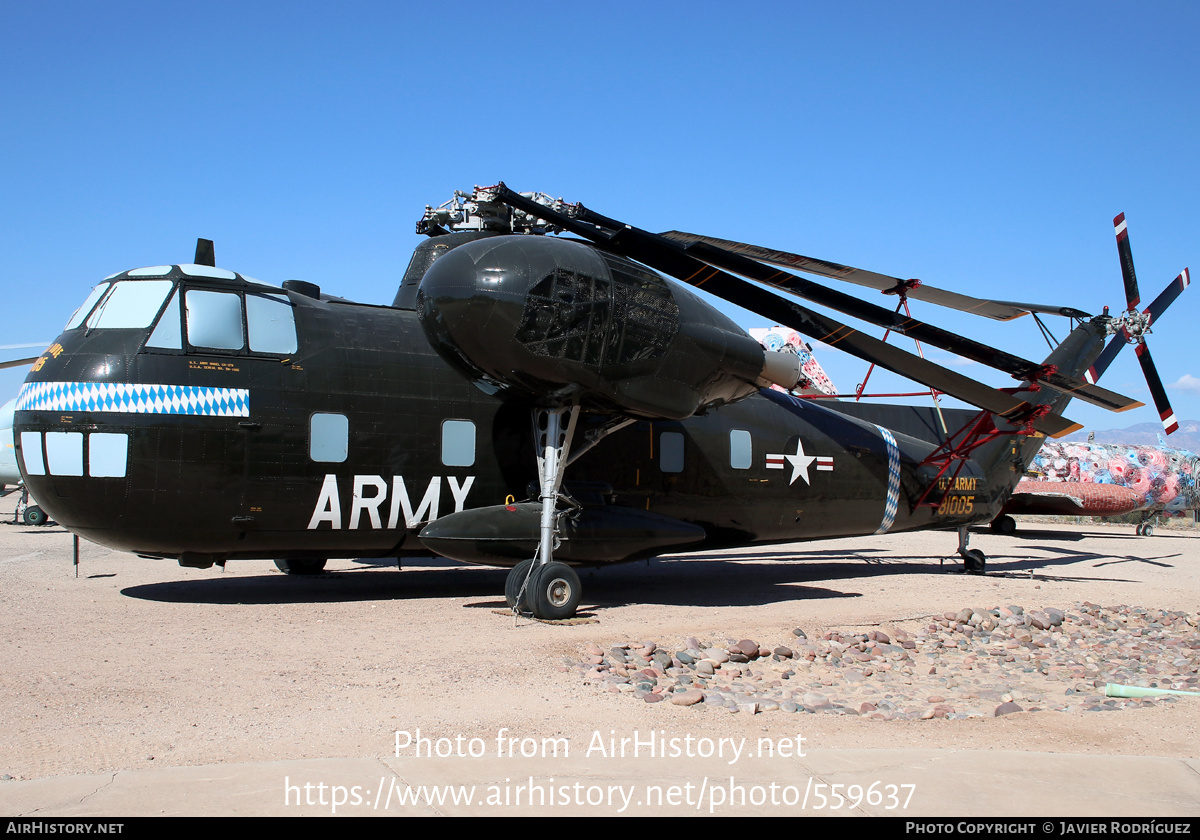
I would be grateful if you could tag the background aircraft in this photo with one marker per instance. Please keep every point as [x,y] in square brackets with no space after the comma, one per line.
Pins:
[1095,479]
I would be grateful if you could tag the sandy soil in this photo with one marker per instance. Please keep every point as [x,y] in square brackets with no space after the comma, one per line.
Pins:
[140,663]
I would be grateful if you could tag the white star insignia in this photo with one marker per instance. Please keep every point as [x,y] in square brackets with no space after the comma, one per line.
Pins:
[799,461]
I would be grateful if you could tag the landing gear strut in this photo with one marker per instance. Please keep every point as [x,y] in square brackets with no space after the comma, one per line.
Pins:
[974,560]
[548,589]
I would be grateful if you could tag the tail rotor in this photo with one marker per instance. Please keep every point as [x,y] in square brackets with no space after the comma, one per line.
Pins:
[1132,326]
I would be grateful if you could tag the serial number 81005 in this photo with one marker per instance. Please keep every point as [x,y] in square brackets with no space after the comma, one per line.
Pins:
[956,505]
[877,794]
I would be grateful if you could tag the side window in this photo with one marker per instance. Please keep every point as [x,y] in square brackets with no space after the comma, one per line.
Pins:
[214,320]
[31,453]
[670,452]
[270,324]
[329,438]
[64,453]
[458,443]
[741,454]
[108,454]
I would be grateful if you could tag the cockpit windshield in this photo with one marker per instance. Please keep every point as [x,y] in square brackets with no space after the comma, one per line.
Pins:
[83,311]
[130,305]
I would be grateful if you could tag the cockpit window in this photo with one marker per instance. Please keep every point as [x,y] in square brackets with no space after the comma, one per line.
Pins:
[214,320]
[167,335]
[271,325]
[130,305]
[82,312]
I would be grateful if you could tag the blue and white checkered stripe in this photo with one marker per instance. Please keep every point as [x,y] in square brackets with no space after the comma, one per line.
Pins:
[893,488]
[134,399]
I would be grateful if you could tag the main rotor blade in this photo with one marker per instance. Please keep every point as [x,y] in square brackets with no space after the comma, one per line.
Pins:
[915,289]
[911,327]
[1132,298]
[18,362]
[671,258]
[1156,389]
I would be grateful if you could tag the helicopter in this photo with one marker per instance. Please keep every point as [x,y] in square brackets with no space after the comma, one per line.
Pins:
[538,396]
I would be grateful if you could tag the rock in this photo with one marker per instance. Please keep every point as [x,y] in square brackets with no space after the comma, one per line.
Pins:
[1006,709]
[687,698]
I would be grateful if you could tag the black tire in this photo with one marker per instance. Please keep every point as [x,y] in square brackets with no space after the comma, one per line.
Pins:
[554,592]
[1004,525]
[1141,529]
[1147,530]
[975,561]
[514,582]
[35,516]
[301,567]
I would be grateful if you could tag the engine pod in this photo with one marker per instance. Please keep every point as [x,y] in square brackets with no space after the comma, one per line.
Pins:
[558,320]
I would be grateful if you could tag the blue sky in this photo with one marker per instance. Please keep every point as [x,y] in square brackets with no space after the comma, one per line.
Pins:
[980,147]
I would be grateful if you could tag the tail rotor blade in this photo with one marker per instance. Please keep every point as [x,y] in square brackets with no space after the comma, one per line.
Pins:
[1165,413]
[1132,298]
[1105,358]
[1168,295]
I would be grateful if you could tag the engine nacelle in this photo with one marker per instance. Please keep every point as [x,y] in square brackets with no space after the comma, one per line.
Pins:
[557,320]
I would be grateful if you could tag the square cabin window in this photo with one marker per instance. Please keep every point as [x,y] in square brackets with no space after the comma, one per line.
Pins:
[328,438]
[670,452]
[741,454]
[458,443]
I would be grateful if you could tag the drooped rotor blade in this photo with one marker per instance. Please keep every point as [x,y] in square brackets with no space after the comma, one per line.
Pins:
[1168,295]
[672,259]
[1132,298]
[911,327]
[1156,389]
[18,362]
[915,289]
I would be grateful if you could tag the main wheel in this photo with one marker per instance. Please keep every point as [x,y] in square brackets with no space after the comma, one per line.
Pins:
[300,567]
[975,561]
[1004,525]
[514,582]
[1141,529]
[35,516]
[554,591]
[1147,530]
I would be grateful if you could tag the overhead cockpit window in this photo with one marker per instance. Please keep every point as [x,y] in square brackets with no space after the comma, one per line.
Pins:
[167,334]
[214,320]
[130,304]
[83,311]
[271,325]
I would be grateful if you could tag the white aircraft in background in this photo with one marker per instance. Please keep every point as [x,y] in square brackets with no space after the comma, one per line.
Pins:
[15,355]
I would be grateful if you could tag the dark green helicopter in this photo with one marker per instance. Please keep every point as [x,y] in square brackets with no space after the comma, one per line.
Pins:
[528,400]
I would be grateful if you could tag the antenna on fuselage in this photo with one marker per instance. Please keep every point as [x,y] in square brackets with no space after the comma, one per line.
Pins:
[205,253]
